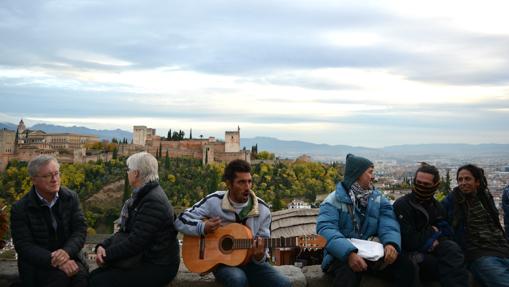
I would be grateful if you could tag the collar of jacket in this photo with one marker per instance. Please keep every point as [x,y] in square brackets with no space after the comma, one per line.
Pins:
[144,190]
[342,195]
[226,205]
[34,201]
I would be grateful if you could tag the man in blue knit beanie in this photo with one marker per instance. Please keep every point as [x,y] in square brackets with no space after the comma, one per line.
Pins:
[357,210]
[355,166]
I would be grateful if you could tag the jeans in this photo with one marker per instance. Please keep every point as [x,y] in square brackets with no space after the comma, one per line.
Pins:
[445,264]
[254,274]
[146,274]
[402,273]
[491,271]
[32,275]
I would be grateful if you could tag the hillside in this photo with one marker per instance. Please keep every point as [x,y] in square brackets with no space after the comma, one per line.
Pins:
[108,197]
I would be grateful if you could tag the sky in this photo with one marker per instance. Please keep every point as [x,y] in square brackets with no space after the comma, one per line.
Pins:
[362,73]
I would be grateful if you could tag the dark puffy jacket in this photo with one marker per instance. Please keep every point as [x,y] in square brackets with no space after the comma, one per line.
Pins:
[416,221]
[151,230]
[33,237]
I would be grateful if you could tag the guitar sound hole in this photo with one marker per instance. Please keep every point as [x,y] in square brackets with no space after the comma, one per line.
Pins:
[227,244]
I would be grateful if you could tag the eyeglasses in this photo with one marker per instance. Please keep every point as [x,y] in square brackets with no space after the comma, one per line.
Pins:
[49,176]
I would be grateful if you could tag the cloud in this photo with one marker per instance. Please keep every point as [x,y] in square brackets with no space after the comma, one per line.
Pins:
[314,66]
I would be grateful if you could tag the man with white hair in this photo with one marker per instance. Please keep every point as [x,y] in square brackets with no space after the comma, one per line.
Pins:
[48,229]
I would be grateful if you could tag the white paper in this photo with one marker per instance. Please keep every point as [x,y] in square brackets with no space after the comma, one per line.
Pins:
[369,250]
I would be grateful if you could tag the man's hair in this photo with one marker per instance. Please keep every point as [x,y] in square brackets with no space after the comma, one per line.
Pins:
[428,168]
[237,165]
[146,164]
[39,161]
[477,173]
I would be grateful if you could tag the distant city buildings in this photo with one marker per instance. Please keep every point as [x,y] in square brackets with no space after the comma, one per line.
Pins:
[297,203]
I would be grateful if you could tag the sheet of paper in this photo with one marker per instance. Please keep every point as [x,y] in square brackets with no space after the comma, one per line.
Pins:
[369,250]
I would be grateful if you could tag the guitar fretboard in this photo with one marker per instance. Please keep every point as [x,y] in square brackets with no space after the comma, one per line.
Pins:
[269,242]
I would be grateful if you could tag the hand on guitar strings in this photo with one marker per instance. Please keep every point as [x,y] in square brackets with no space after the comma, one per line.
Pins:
[212,224]
[258,248]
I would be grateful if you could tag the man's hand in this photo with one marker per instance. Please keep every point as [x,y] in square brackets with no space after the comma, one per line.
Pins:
[435,244]
[212,224]
[70,268]
[258,249]
[390,254]
[357,263]
[59,257]
[101,253]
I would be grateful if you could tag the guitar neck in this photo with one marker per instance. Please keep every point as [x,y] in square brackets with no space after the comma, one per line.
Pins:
[269,242]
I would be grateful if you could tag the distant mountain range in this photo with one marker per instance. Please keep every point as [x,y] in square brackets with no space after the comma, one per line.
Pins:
[293,149]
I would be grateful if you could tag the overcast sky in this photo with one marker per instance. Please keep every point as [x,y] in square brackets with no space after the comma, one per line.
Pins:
[367,73]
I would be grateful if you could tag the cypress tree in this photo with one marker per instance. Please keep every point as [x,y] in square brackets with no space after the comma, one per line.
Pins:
[167,161]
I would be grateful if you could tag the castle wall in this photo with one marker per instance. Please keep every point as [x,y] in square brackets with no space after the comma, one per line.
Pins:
[7,141]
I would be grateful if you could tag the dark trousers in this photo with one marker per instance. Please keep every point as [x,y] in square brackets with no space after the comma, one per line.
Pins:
[444,264]
[51,277]
[402,272]
[146,275]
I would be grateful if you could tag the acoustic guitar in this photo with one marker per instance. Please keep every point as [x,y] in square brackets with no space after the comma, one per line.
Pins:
[232,245]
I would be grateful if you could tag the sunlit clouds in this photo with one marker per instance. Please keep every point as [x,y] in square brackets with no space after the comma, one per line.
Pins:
[368,73]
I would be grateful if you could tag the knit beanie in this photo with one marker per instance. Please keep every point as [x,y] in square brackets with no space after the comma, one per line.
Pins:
[355,166]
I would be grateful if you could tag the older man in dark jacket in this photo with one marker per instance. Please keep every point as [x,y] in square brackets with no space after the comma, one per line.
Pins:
[48,229]
[425,234]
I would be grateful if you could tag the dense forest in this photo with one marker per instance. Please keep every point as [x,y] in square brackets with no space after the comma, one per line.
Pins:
[184,180]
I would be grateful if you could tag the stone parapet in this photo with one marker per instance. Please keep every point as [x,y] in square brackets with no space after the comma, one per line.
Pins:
[308,276]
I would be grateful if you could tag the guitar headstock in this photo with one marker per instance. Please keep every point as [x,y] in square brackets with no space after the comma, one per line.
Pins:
[313,241]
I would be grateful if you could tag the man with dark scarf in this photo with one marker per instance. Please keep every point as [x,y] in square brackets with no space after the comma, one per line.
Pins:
[425,233]
[356,210]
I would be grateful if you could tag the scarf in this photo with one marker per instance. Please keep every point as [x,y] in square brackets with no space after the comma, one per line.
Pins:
[424,193]
[360,196]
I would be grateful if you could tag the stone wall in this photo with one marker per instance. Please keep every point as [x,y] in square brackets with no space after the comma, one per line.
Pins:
[308,276]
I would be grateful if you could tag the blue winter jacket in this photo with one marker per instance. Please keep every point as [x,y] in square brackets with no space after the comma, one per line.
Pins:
[335,224]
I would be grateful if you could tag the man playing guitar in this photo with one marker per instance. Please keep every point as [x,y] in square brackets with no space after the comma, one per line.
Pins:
[239,204]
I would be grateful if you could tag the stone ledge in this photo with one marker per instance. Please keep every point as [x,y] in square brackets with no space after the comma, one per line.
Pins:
[311,276]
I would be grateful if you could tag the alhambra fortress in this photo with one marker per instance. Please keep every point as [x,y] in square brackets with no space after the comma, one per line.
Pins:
[24,144]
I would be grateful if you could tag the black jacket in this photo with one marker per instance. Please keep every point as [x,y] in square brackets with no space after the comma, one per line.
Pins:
[416,221]
[34,237]
[151,230]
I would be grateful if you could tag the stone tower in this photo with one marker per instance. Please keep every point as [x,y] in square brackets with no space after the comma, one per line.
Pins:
[21,133]
[232,141]
[140,134]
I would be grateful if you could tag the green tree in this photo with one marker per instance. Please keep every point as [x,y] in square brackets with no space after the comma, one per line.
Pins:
[265,155]
[445,183]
